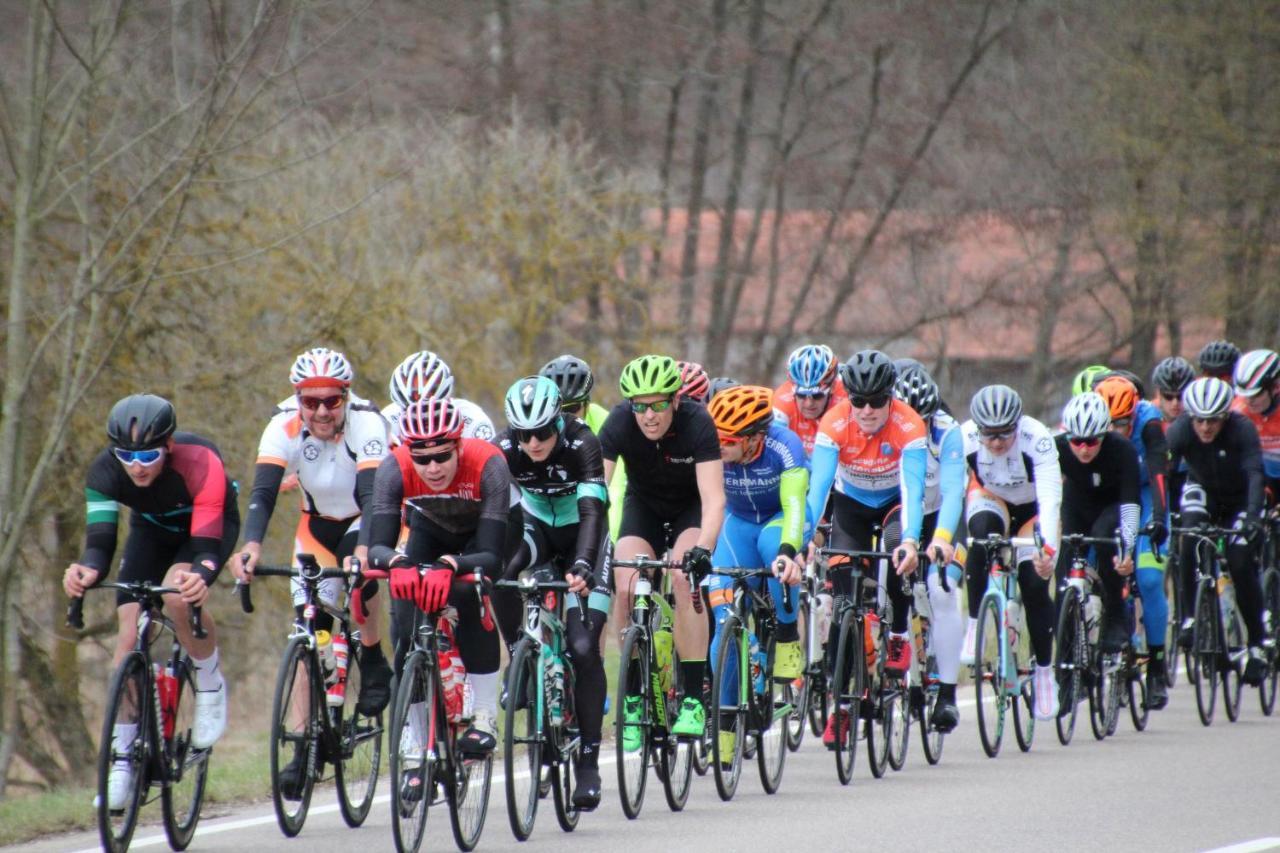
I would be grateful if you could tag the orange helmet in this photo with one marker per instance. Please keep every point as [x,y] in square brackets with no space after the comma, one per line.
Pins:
[742,410]
[1121,396]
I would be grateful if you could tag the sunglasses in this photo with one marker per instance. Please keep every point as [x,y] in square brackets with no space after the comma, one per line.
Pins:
[1122,423]
[425,459]
[574,408]
[1169,398]
[1085,442]
[659,406]
[524,436]
[877,402]
[311,404]
[731,440]
[812,393]
[1216,420]
[146,457]
[997,436]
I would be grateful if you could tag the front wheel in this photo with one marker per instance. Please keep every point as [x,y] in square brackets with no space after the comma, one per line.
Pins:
[900,734]
[129,704]
[359,750]
[294,726]
[989,676]
[846,693]
[631,722]
[415,747]
[1137,687]
[1236,646]
[469,785]
[1069,665]
[1202,661]
[728,710]
[187,767]
[522,739]
[774,711]
[1271,609]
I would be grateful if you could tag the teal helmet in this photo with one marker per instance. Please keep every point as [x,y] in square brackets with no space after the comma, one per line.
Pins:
[1084,380]
[649,374]
[533,403]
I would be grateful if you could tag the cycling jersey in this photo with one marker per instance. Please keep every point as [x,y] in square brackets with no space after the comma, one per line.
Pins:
[335,476]
[1147,436]
[594,417]
[787,412]
[475,423]
[662,473]
[1027,474]
[1268,427]
[191,501]
[1229,468]
[945,475]
[776,481]
[873,470]
[1110,479]
[565,489]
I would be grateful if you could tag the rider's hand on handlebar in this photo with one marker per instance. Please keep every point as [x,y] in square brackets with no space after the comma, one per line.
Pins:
[697,561]
[434,591]
[1158,532]
[192,587]
[948,550]
[787,570]
[1043,564]
[906,557]
[579,577]
[77,578]
[247,561]
[1124,567]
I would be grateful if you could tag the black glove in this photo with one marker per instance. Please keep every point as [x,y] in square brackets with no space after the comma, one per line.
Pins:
[1157,532]
[697,561]
[582,569]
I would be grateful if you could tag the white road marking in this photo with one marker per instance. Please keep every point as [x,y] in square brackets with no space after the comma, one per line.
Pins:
[1249,846]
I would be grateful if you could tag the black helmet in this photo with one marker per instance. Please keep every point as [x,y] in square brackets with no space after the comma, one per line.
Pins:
[141,422]
[868,373]
[1173,374]
[1218,358]
[572,376]
[720,383]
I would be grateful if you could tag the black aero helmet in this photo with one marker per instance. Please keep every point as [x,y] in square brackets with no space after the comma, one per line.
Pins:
[572,376]
[868,373]
[1173,374]
[1218,358]
[141,422]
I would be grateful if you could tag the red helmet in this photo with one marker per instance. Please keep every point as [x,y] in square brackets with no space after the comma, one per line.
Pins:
[430,421]
[694,381]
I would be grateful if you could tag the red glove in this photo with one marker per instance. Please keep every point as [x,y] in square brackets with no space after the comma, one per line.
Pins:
[434,592]
[406,584]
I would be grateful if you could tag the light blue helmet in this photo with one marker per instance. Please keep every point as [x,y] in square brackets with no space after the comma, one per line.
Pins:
[812,366]
[532,403]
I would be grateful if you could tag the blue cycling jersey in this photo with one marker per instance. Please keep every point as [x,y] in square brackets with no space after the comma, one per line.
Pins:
[753,490]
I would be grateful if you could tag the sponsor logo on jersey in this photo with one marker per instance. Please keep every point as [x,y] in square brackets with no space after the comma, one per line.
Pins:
[678,460]
[310,451]
[373,447]
[1043,445]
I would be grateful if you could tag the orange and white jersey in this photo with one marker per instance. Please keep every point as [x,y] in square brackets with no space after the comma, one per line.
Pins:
[787,413]
[868,465]
[1268,434]
[326,469]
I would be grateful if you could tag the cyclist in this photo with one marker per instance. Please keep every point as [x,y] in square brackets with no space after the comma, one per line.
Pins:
[675,477]
[1171,376]
[1218,359]
[1257,385]
[556,462]
[1224,486]
[1139,421]
[183,525]
[809,391]
[1100,494]
[456,494]
[424,375]
[333,443]
[766,477]
[944,485]
[1087,378]
[1016,479]
[875,450]
[695,384]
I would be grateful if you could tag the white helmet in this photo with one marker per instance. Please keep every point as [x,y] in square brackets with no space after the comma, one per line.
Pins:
[1208,397]
[1086,415]
[321,366]
[421,376]
[995,407]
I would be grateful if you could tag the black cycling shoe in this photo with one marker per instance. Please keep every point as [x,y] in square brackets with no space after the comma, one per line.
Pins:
[1255,668]
[293,775]
[1157,689]
[1185,635]
[411,785]
[586,794]
[375,682]
[1114,635]
[945,716]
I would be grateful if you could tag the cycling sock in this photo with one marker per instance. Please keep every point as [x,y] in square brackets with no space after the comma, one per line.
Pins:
[946,693]
[589,756]
[1156,662]
[788,632]
[122,735]
[208,676]
[693,671]
[484,692]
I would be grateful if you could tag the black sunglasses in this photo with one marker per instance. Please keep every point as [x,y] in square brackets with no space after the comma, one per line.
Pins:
[542,433]
[877,402]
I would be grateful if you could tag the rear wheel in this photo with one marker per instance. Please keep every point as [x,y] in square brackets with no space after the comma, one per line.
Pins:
[564,771]
[1137,687]
[796,694]
[188,767]
[1024,718]
[1202,662]
[1071,654]
[359,750]
[632,739]
[900,734]
[415,745]
[728,714]
[1236,648]
[846,693]
[989,676]
[294,730]
[1271,605]
[129,706]
[522,739]
[675,759]
[880,723]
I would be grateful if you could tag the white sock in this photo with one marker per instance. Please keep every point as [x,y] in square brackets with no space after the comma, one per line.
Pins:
[484,689]
[417,726]
[208,676]
[122,735]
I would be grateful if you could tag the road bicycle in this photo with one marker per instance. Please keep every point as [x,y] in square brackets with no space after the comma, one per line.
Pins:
[922,678]
[1080,667]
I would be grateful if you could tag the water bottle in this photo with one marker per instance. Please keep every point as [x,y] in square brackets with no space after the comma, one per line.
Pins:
[557,690]
[825,611]
[1093,618]
[167,687]
[1226,597]
[328,660]
[871,640]
[757,657]
[337,690]
[663,640]
[921,594]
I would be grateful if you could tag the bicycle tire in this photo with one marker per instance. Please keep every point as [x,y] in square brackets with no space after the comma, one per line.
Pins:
[1233,637]
[564,770]
[988,676]
[880,712]
[297,661]
[187,767]
[773,712]
[675,758]
[632,765]
[846,695]
[931,739]
[469,783]
[1172,651]
[522,739]
[732,718]
[1023,701]
[359,748]
[1070,654]
[131,679]
[796,693]
[900,732]
[1139,712]
[1203,663]
[817,702]
[1271,601]
[416,711]
[1114,691]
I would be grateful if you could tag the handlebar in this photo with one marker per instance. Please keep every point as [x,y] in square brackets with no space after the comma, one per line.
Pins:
[644,563]
[531,585]
[139,589]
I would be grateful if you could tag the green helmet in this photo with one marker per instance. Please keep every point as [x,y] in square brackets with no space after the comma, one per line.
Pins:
[649,374]
[532,403]
[1085,378]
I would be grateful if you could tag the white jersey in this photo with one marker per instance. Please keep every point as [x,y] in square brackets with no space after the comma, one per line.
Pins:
[326,469]
[938,426]
[1028,473]
[475,423]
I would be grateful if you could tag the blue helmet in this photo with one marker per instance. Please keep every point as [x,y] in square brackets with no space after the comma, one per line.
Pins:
[812,366]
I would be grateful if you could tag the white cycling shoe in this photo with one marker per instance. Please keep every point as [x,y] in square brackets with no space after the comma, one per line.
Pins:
[210,717]
[119,786]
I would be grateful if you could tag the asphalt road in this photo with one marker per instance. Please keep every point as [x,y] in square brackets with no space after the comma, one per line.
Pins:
[1177,786]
